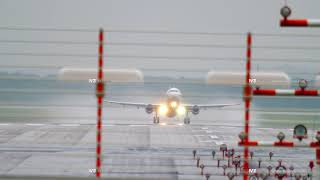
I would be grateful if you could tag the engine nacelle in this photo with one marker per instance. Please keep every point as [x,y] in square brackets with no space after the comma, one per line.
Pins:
[195,110]
[149,109]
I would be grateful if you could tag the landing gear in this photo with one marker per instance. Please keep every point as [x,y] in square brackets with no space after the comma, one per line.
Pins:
[186,120]
[156,120]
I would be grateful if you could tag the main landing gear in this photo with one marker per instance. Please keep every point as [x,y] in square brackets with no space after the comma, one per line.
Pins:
[186,119]
[156,119]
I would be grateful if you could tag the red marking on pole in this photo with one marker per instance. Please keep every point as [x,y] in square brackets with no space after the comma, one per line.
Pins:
[99,94]
[249,143]
[98,140]
[284,144]
[249,40]
[318,156]
[100,75]
[100,50]
[315,144]
[248,55]
[265,92]
[294,22]
[306,93]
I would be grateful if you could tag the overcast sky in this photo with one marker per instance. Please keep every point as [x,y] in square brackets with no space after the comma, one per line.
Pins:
[231,16]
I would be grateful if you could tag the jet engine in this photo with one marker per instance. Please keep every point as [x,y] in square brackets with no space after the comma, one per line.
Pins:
[195,110]
[149,109]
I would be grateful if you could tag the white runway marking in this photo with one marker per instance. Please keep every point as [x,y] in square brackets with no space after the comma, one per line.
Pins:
[34,124]
[4,124]
[196,131]
[200,135]
[137,125]
[70,125]
[163,124]
[214,137]
[205,128]
[219,142]
[107,125]
[209,131]
[266,128]
[207,141]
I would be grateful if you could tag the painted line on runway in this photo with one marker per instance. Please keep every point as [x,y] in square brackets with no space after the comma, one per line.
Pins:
[108,125]
[265,128]
[219,142]
[214,137]
[3,124]
[71,125]
[199,135]
[207,141]
[196,130]
[137,125]
[31,124]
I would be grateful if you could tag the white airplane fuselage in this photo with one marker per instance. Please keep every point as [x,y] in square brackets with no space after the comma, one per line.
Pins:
[173,105]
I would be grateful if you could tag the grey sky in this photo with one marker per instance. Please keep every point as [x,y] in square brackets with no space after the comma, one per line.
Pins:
[241,16]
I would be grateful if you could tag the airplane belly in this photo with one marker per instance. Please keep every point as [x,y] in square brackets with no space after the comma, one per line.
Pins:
[171,113]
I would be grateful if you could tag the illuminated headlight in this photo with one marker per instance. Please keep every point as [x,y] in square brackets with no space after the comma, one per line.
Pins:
[181,110]
[163,110]
[173,104]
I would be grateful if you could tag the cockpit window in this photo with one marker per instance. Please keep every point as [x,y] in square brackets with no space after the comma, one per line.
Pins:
[173,91]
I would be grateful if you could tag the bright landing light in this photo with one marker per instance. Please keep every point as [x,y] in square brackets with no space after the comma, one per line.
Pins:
[173,104]
[163,109]
[181,110]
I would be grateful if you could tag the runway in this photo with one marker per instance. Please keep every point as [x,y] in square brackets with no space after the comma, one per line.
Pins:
[134,148]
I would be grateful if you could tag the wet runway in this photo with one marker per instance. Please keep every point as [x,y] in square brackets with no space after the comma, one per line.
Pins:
[136,148]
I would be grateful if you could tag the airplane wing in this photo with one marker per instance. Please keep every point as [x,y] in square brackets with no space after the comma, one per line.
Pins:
[206,106]
[138,105]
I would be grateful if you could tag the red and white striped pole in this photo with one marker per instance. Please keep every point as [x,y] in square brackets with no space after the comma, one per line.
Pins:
[100,95]
[285,92]
[247,99]
[300,22]
[286,144]
[285,22]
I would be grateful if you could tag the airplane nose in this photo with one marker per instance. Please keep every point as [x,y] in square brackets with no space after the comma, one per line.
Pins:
[173,104]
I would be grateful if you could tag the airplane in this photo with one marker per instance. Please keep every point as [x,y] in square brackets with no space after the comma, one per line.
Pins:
[172,107]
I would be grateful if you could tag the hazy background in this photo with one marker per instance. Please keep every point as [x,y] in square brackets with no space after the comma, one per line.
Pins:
[227,16]
[221,24]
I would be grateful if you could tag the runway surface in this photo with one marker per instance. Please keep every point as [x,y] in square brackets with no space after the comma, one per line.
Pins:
[134,147]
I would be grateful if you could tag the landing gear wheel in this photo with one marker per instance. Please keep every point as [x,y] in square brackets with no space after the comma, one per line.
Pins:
[187,120]
[156,120]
